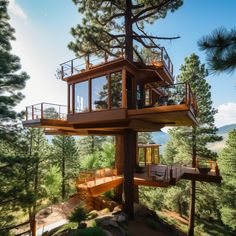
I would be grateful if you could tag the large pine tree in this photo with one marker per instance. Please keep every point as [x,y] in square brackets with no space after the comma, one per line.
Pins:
[189,143]
[65,155]
[227,164]
[12,81]
[114,26]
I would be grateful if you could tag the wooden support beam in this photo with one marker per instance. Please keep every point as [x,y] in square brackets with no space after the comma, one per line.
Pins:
[119,163]
[130,145]
[124,94]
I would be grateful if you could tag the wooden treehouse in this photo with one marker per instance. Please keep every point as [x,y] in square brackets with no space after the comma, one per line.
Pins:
[106,97]
[114,96]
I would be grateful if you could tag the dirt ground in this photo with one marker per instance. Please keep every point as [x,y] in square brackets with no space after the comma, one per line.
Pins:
[57,212]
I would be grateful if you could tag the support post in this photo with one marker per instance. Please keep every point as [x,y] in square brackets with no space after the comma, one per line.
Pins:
[119,159]
[130,155]
[193,186]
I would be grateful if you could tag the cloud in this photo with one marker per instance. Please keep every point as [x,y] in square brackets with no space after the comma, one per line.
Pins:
[16,10]
[226,114]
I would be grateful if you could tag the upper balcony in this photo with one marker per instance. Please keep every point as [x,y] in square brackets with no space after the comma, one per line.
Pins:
[158,68]
[96,107]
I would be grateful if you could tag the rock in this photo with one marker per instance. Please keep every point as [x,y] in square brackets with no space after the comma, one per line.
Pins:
[122,217]
[140,210]
[117,209]
[107,233]
[103,221]
[104,211]
[92,214]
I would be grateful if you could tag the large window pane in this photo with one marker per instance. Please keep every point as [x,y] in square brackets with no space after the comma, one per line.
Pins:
[116,90]
[99,93]
[81,97]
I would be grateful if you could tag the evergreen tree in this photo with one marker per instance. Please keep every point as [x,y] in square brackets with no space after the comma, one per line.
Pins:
[111,26]
[11,79]
[227,164]
[65,155]
[220,48]
[188,142]
[23,164]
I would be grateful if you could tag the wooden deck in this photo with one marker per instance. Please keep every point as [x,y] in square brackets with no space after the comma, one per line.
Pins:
[153,175]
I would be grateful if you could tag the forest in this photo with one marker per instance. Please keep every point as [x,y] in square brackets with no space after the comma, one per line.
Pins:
[38,171]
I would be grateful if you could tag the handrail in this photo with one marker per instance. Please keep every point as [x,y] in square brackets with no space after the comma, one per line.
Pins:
[86,176]
[70,67]
[42,110]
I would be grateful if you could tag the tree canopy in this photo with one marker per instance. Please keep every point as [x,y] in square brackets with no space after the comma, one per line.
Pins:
[112,26]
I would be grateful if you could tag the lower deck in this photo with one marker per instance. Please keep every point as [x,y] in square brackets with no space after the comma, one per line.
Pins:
[100,181]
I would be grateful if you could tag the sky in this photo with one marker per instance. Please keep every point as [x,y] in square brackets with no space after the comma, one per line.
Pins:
[43,33]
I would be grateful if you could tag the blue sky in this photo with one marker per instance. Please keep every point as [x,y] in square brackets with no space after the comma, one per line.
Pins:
[42,32]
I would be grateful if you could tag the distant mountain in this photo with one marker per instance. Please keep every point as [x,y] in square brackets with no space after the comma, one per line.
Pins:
[223,132]
[226,129]
[162,138]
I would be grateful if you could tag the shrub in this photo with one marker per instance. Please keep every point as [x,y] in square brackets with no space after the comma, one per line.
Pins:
[91,231]
[78,215]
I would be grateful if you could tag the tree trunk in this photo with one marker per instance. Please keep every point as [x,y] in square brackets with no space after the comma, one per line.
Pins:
[130,146]
[119,157]
[193,187]
[63,188]
[128,31]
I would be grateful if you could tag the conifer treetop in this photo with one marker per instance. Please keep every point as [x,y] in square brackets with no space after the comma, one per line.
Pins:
[104,25]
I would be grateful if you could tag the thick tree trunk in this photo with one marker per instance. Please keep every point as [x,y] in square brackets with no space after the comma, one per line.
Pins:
[128,31]
[130,146]
[119,157]
[192,208]
[63,187]
[193,187]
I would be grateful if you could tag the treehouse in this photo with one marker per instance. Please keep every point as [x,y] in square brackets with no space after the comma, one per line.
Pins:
[114,96]
[108,95]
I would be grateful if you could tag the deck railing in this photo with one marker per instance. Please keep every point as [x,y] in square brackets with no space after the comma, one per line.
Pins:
[78,65]
[175,94]
[46,111]
[91,177]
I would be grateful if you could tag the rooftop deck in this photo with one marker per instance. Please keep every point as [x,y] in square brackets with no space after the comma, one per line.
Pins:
[100,181]
[79,67]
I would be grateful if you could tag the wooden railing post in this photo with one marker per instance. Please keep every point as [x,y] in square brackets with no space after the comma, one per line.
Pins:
[162,57]
[105,57]
[124,94]
[32,112]
[72,67]
[42,110]
[62,72]
[26,114]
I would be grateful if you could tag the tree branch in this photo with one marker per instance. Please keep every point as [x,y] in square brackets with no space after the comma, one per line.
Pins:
[109,19]
[153,8]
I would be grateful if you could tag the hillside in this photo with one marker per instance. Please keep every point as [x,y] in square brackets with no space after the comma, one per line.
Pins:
[162,138]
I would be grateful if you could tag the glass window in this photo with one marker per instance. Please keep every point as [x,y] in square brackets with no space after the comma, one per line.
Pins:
[116,90]
[99,93]
[81,97]
[147,97]
[70,98]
